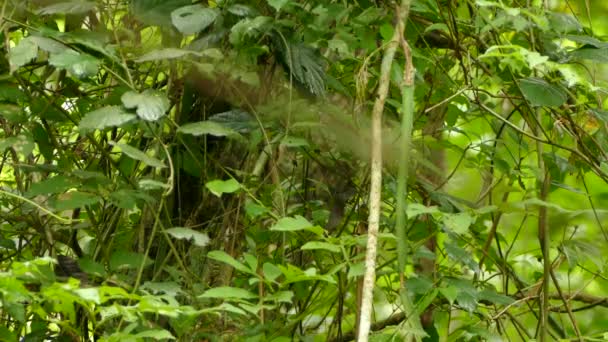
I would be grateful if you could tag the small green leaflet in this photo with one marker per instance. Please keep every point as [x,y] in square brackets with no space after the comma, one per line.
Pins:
[109,116]
[227,259]
[200,239]
[78,64]
[415,209]
[277,4]
[151,104]
[458,223]
[227,292]
[321,245]
[541,93]
[68,7]
[138,155]
[297,223]
[193,19]
[271,271]
[207,127]
[75,199]
[22,54]
[162,54]
[219,187]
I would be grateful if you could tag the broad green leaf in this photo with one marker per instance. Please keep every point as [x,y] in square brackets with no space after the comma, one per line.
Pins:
[48,45]
[122,259]
[109,116]
[458,223]
[151,105]
[541,93]
[22,54]
[590,53]
[207,127]
[494,297]
[156,334]
[75,199]
[22,144]
[227,259]
[170,288]
[12,113]
[157,12]
[297,223]
[136,154]
[163,54]
[415,209]
[219,187]
[90,294]
[200,239]
[271,271]
[193,19]
[290,141]
[460,255]
[277,4]
[68,7]
[450,293]
[78,64]
[248,28]
[280,296]
[53,185]
[227,292]
[254,210]
[311,245]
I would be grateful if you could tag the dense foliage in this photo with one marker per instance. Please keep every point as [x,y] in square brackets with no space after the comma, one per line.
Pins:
[178,170]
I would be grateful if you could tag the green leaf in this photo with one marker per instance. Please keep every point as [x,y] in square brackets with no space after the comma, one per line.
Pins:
[163,54]
[12,113]
[280,297]
[157,334]
[22,144]
[494,297]
[450,293]
[540,93]
[227,292]
[127,260]
[271,271]
[136,154]
[592,54]
[248,28]
[48,45]
[157,12]
[219,187]
[193,19]
[207,127]
[22,54]
[458,223]
[200,239]
[68,7]
[151,105]
[415,209]
[293,224]
[75,199]
[109,116]
[311,245]
[227,259]
[90,294]
[277,4]
[78,64]
[290,141]
[53,185]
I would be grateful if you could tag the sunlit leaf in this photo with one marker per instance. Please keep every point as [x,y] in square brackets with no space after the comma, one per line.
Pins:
[227,259]
[207,127]
[312,245]
[219,187]
[79,64]
[109,116]
[68,7]
[541,93]
[193,19]
[200,239]
[226,292]
[139,155]
[151,105]
[22,54]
